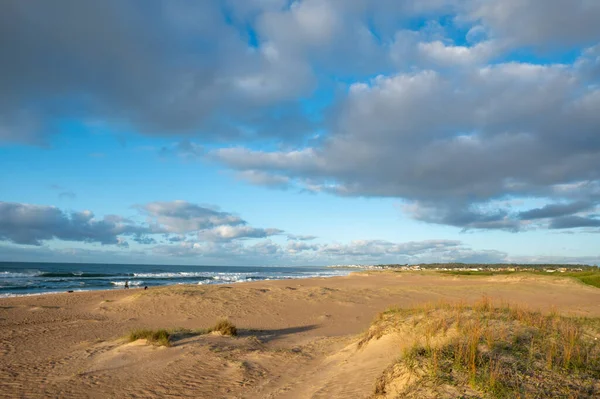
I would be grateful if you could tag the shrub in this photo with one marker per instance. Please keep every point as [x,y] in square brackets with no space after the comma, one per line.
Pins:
[157,337]
[224,327]
[163,337]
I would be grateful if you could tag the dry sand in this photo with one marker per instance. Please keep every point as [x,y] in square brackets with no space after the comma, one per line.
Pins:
[297,337]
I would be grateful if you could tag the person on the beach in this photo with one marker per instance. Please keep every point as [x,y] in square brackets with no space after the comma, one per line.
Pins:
[126,285]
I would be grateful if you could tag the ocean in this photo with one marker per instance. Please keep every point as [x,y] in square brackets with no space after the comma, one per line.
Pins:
[18,278]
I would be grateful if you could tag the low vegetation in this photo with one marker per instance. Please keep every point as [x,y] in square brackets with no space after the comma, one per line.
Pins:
[488,351]
[587,277]
[224,327]
[163,337]
[157,337]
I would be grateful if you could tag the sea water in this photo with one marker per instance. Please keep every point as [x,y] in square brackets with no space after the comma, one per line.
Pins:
[18,278]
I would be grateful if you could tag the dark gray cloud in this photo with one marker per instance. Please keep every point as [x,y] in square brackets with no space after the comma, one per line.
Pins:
[145,240]
[32,224]
[465,217]
[163,67]
[571,222]
[179,238]
[556,210]
[539,23]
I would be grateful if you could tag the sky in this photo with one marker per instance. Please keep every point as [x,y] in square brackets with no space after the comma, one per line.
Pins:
[308,132]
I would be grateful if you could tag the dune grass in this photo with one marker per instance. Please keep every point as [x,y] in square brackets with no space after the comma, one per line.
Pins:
[163,337]
[224,327]
[160,337]
[488,351]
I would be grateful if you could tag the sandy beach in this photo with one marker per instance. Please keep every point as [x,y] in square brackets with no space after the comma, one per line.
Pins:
[297,338]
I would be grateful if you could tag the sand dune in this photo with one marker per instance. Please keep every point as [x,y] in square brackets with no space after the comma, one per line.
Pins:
[298,338]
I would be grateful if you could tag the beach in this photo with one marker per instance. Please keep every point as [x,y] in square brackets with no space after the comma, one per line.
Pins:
[297,338]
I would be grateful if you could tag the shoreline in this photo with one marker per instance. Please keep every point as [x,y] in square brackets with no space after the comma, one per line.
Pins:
[119,287]
[108,282]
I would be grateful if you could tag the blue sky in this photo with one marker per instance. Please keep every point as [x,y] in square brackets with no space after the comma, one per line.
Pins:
[298,133]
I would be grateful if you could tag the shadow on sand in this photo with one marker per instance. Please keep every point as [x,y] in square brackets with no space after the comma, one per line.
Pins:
[264,336]
[273,335]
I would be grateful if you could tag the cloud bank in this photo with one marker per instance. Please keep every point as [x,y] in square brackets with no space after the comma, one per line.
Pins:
[453,107]
[190,232]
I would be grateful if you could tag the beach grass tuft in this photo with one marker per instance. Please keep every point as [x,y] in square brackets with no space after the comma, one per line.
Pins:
[163,337]
[160,337]
[224,327]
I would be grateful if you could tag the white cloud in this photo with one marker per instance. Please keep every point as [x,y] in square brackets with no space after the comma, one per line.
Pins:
[184,217]
[458,55]
[452,143]
[228,233]
[208,224]
[221,70]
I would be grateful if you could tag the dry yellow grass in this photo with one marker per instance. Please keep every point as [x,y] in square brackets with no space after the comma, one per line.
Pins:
[224,327]
[156,337]
[162,337]
[490,351]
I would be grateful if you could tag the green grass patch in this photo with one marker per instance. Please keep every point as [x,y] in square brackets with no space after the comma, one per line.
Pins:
[587,277]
